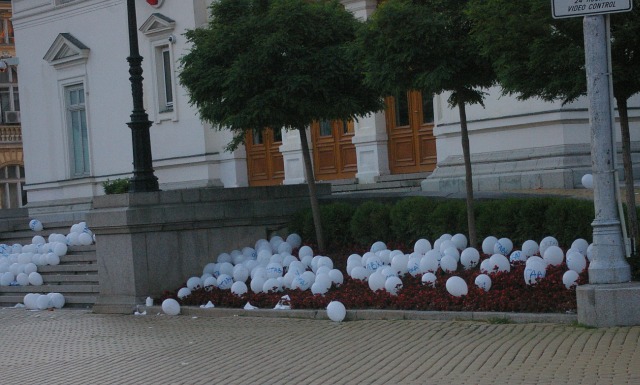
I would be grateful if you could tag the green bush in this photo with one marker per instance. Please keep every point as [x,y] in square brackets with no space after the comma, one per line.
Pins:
[335,219]
[410,219]
[371,222]
[117,186]
[413,218]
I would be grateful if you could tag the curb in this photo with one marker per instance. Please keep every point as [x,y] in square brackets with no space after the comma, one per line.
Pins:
[365,314]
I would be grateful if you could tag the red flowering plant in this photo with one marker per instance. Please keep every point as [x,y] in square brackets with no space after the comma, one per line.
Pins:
[508,293]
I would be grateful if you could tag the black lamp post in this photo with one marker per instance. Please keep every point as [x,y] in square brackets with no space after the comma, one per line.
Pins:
[143,178]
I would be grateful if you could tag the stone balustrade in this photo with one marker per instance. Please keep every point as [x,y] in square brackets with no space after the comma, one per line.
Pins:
[10,134]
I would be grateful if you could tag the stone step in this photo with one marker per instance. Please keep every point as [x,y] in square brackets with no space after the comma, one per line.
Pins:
[69,268]
[73,300]
[75,278]
[64,289]
[384,183]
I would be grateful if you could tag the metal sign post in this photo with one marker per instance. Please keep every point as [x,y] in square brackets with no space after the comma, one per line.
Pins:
[608,264]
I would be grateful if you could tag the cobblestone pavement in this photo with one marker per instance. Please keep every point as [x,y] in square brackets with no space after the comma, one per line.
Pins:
[77,347]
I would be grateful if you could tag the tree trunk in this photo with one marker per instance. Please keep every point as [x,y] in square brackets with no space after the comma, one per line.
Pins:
[632,217]
[313,196]
[464,136]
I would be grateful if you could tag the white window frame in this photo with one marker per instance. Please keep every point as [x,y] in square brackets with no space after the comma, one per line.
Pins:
[68,110]
[5,182]
[165,110]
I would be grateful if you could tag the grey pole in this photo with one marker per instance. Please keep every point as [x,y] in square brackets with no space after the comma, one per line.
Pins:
[607,263]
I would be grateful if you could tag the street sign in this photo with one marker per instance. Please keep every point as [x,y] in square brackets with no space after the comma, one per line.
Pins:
[572,8]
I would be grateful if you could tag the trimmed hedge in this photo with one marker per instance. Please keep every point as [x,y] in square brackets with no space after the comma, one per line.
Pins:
[410,219]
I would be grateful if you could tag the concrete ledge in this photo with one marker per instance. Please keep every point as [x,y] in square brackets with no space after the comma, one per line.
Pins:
[607,305]
[365,314]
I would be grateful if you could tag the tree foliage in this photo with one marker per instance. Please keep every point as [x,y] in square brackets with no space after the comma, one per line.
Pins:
[275,63]
[535,55]
[424,45]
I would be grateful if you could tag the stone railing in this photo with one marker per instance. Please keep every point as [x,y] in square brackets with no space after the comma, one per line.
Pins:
[10,134]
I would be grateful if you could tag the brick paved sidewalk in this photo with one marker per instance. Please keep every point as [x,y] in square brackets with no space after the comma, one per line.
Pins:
[77,347]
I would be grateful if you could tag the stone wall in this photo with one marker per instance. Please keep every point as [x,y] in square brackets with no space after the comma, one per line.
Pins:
[150,242]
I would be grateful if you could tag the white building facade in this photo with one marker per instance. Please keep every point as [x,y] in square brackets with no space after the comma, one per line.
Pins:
[76,101]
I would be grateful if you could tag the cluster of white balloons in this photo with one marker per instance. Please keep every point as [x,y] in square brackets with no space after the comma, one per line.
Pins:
[19,263]
[34,301]
[268,266]
[383,269]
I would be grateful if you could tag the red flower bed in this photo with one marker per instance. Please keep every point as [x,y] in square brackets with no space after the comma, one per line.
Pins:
[508,293]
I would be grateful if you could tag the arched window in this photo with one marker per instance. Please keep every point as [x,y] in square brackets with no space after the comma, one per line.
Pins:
[12,194]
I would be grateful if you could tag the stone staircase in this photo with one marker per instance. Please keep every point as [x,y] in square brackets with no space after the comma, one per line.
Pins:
[397,183]
[76,277]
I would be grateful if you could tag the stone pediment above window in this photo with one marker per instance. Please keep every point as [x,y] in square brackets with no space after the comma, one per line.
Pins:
[157,24]
[66,50]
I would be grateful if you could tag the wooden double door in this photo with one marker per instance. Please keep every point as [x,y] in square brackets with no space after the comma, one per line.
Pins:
[264,161]
[412,146]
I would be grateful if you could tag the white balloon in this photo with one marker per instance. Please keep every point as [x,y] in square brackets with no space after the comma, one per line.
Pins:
[488,244]
[272,285]
[553,255]
[377,246]
[503,246]
[302,282]
[184,292]
[43,302]
[275,242]
[210,282]
[239,288]
[336,277]
[360,273]
[422,246]
[546,242]
[30,301]
[23,279]
[460,240]
[25,258]
[6,278]
[305,251]
[587,181]
[429,263]
[85,239]
[413,266]
[35,225]
[392,285]
[240,273]
[399,263]
[318,288]
[38,240]
[429,279]
[57,300]
[194,283]
[452,251]
[259,272]
[224,257]
[570,278]
[60,249]
[225,268]
[355,258]
[534,271]
[456,286]
[225,281]
[35,279]
[581,245]
[499,262]
[274,270]
[387,272]
[294,240]
[445,244]
[376,281]
[483,281]
[469,258]
[385,256]
[517,256]
[170,306]
[448,264]
[336,311]
[52,259]
[285,248]
[576,262]
[257,284]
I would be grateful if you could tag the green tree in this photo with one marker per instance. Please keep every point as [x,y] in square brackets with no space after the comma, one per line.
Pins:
[535,55]
[276,63]
[425,45]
